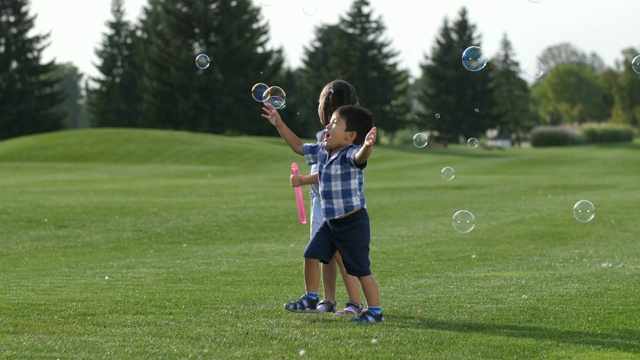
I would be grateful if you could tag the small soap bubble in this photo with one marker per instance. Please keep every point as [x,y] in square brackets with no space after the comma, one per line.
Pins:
[584,211]
[257,91]
[533,69]
[420,140]
[203,61]
[275,96]
[635,64]
[472,143]
[473,59]
[437,115]
[448,173]
[303,353]
[463,221]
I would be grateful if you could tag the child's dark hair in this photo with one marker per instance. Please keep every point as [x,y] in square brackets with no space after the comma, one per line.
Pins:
[357,119]
[333,95]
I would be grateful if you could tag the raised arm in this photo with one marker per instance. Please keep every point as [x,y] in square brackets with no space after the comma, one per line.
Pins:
[365,151]
[271,113]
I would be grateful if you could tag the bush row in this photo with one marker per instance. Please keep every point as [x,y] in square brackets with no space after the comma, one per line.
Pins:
[586,134]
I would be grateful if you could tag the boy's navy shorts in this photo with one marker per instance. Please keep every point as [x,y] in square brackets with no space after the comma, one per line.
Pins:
[350,236]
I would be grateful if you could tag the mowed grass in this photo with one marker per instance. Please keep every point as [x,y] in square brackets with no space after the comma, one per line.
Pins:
[130,244]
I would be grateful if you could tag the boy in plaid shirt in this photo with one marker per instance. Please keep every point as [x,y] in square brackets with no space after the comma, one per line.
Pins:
[341,158]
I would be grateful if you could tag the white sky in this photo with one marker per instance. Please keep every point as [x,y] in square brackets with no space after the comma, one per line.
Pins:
[603,27]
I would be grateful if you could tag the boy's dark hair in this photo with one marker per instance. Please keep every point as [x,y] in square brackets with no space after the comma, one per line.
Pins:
[335,94]
[357,119]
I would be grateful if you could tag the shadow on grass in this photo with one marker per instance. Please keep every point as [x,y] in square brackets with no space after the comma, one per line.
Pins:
[627,340]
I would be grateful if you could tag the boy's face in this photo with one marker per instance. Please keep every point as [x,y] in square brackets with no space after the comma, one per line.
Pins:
[336,134]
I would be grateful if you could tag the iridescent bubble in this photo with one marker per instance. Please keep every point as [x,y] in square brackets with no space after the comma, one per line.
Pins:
[275,96]
[448,173]
[420,140]
[635,64]
[473,59]
[437,115]
[203,61]
[533,69]
[472,143]
[463,221]
[584,211]
[257,91]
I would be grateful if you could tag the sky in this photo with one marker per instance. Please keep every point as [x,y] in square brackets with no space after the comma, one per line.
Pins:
[77,27]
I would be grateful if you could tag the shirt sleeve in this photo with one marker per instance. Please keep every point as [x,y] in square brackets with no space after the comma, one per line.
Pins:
[310,152]
[351,155]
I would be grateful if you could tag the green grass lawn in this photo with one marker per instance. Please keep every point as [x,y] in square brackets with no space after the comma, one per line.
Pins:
[129,244]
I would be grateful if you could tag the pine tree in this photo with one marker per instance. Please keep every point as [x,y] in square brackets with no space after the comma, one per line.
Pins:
[512,98]
[176,94]
[28,96]
[115,100]
[356,50]
[457,102]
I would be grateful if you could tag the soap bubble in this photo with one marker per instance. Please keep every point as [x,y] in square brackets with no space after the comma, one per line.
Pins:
[584,211]
[473,59]
[472,142]
[635,64]
[309,8]
[257,91]
[463,221]
[420,140]
[275,96]
[533,69]
[448,173]
[203,61]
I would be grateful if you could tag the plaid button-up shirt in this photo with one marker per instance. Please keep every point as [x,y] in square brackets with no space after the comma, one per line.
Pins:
[341,181]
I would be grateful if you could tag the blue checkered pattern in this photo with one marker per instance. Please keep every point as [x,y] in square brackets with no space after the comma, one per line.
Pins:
[341,181]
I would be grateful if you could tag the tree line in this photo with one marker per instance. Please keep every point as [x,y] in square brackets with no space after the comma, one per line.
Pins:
[148,78]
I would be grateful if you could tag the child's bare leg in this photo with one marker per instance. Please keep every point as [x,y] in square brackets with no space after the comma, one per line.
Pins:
[311,275]
[370,289]
[329,275]
[351,283]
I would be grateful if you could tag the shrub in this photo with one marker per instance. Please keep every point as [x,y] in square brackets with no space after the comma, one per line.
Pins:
[553,136]
[596,133]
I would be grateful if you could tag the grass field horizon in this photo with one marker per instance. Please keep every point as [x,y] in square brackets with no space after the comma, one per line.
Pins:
[119,243]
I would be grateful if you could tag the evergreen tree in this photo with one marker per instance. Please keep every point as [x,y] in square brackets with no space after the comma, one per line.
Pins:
[457,102]
[115,100]
[69,85]
[512,98]
[356,50]
[28,96]
[176,94]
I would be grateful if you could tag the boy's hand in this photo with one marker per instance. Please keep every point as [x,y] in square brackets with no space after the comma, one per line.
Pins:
[371,137]
[271,114]
[295,180]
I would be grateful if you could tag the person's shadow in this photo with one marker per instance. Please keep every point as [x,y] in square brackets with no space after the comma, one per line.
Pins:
[627,340]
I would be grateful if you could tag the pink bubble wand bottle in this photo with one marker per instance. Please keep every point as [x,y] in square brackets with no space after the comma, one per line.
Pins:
[302,215]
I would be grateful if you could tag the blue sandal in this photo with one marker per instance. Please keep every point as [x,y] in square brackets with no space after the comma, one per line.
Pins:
[368,317]
[304,304]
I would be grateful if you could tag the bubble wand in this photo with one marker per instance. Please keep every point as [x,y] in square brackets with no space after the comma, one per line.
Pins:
[301,213]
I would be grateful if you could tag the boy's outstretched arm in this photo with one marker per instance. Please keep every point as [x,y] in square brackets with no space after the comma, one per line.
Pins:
[270,113]
[365,151]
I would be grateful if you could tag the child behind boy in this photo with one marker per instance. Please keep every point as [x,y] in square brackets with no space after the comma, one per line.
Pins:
[341,158]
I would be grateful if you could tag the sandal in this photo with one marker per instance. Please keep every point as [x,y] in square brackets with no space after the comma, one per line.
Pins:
[368,317]
[351,308]
[304,304]
[326,306]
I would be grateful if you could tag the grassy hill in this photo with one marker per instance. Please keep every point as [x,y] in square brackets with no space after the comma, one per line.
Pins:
[159,244]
